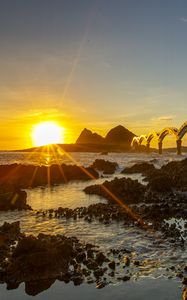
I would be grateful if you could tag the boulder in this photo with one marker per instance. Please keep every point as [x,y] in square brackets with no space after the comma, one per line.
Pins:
[142,168]
[107,167]
[12,198]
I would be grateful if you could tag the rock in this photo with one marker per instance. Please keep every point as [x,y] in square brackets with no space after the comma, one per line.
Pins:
[107,167]
[112,265]
[126,261]
[12,198]
[37,258]
[160,184]
[11,230]
[91,264]
[35,287]
[90,280]
[39,261]
[136,263]
[98,272]
[77,280]
[100,258]
[125,189]
[90,253]
[177,171]
[80,257]
[111,274]
[19,176]
[126,278]
[143,168]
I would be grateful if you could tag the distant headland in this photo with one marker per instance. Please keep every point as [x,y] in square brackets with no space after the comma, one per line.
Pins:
[118,139]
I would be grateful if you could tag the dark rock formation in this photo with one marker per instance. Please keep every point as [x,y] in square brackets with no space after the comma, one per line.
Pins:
[104,213]
[160,184]
[107,167]
[123,189]
[12,198]
[34,287]
[24,176]
[175,173]
[119,135]
[142,168]
[39,261]
[177,170]
[88,137]
[8,234]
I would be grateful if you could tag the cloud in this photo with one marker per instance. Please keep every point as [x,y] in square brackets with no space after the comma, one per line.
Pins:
[165,118]
[184,20]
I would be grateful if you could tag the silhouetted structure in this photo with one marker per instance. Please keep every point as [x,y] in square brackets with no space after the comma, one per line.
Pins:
[178,134]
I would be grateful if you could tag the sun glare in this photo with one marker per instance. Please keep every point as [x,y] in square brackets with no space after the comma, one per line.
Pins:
[47,133]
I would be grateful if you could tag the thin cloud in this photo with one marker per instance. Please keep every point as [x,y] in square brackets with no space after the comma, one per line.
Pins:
[183,20]
[165,118]
[162,118]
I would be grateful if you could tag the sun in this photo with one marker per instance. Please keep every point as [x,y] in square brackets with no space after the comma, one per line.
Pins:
[47,133]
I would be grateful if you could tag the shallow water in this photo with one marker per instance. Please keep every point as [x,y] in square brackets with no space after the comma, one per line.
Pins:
[161,289]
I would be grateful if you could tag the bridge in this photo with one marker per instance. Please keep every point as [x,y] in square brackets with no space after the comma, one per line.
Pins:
[160,136]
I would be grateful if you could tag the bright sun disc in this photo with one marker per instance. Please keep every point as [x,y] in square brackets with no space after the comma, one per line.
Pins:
[47,133]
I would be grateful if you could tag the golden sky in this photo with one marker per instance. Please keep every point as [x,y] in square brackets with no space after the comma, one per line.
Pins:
[93,64]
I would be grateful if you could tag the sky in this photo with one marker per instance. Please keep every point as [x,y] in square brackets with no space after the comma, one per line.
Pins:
[93,64]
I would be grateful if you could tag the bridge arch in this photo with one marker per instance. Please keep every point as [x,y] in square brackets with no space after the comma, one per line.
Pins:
[177,133]
[168,131]
[135,142]
[152,135]
[182,130]
[142,138]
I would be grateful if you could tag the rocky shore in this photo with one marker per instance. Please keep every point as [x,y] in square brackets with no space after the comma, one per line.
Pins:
[39,261]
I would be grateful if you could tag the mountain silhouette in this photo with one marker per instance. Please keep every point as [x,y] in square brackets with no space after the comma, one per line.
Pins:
[88,137]
[118,135]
